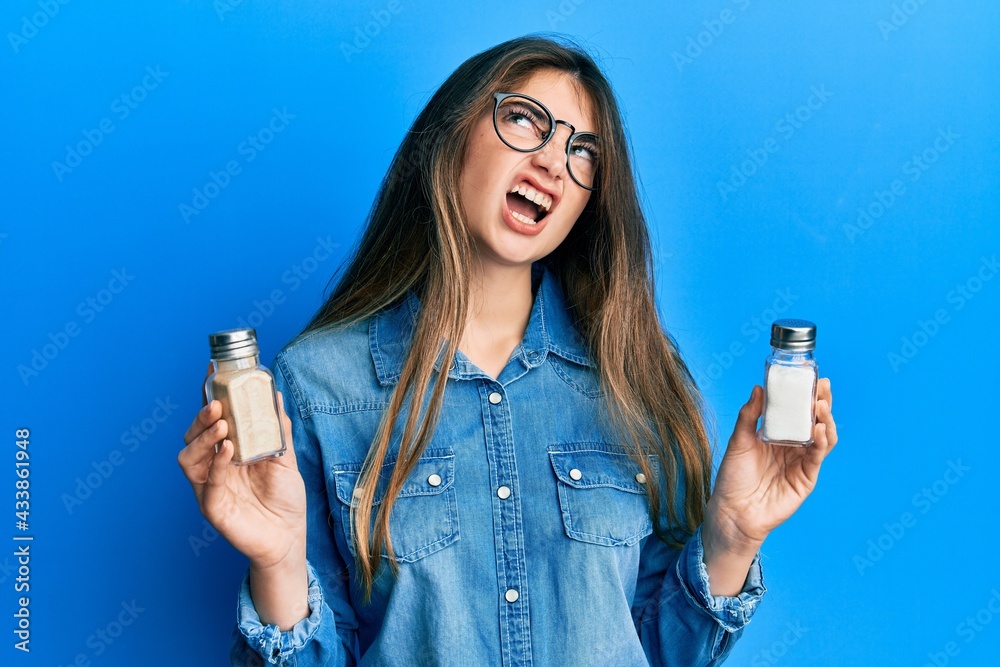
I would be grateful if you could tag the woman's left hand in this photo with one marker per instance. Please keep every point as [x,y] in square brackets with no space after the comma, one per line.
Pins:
[760,485]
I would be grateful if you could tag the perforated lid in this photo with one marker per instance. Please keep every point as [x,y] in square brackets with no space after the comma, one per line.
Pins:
[793,334]
[233,344]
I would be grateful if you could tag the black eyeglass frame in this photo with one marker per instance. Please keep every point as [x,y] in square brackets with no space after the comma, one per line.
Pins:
[500,97]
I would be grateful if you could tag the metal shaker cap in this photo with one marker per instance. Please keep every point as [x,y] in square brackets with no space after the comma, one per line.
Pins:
[793,334]
[233,344]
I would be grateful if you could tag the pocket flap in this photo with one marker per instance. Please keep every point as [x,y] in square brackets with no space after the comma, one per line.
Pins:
[594,464]
[433,474]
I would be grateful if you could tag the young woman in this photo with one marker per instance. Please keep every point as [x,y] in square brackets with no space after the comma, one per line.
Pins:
[550,503]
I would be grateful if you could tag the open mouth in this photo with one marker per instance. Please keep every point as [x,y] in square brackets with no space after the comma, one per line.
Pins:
[528,205]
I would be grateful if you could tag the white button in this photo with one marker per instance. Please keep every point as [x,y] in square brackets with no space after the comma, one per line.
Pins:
[575,474]
[639,477]
[510,595]
[434,480]
[504,492]
[495,397]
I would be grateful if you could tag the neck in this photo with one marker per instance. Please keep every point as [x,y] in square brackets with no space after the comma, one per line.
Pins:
[500,307]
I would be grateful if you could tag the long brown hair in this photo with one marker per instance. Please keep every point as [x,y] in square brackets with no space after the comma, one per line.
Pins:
[415,238]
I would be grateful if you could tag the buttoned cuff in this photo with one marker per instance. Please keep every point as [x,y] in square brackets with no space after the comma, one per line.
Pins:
[273,644]
[732,613]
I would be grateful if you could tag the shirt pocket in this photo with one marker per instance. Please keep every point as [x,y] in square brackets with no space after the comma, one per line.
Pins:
[602,495]
[424,516]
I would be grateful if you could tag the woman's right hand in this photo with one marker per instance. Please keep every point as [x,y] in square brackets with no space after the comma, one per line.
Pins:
[259,508]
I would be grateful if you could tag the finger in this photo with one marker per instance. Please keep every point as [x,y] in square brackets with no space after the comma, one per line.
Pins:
[215,482]
[823,390]
[824,437]
[831,427]
[288,458]
[196,469]
[202,448]
[816,452]
[204,388]
[207,415]
[746,420]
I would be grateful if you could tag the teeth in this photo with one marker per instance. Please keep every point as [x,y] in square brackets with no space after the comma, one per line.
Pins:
[531,194]
[523,218]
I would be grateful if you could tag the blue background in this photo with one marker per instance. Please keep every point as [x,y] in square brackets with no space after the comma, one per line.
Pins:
[852,578]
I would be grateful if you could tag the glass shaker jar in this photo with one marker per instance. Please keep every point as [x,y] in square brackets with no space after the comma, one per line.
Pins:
[790,375]
[246,390]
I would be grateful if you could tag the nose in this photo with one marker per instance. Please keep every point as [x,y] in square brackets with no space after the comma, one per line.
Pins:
[552,156]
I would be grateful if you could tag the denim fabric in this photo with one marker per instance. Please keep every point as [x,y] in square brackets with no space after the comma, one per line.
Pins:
[523,535]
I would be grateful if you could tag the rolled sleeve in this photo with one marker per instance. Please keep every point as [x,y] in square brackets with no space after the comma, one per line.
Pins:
[679,622]
[731,612]
[269,641]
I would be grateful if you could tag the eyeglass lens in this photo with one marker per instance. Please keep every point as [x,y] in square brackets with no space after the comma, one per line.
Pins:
[525,126]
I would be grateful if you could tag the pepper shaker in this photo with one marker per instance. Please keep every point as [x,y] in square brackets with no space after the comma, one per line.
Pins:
[247,393]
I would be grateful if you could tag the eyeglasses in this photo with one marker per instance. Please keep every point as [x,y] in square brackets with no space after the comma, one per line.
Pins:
[525,124]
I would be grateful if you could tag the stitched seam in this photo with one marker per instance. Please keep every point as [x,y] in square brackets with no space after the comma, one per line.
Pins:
[345,408]
[282,366]
[435,453]
[350,472]
[373,345]
[566,505]
[564,376]
[452,535]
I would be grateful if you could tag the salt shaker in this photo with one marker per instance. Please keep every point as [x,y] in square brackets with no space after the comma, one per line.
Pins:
[790,375]
[246,390]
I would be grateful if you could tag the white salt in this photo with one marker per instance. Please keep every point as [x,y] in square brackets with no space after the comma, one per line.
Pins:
[789,395]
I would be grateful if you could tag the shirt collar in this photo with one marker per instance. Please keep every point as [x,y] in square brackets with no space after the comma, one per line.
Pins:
[550,329]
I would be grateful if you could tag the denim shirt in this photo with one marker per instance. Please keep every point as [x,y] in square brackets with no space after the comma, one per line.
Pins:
[523,535]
